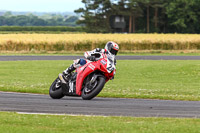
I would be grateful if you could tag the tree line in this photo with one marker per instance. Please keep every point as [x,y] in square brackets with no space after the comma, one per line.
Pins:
[40,29]
[142,16]
[8,19]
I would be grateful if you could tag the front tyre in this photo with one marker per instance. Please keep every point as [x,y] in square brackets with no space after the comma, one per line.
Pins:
[88,95]
[55,90]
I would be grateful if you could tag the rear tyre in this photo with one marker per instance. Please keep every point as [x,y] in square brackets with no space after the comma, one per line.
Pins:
[55,92]
[89,95]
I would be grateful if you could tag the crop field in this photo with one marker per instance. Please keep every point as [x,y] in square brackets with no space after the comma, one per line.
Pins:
[174,80]
[81,42]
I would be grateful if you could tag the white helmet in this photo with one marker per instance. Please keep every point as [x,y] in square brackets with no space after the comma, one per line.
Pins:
[112,47]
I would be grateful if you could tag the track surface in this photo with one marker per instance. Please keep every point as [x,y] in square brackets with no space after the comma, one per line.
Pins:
[33,103]
[16,58]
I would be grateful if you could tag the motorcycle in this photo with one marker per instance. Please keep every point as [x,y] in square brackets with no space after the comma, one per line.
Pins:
[87,81]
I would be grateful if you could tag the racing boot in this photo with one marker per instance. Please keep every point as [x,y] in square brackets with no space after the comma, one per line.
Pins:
[67,72]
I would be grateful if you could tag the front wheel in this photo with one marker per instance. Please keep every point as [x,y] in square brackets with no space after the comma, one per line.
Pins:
[55,91]
[97,86]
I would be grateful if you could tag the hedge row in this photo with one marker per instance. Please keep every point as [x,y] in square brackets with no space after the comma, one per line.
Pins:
[41,28]
[88,45]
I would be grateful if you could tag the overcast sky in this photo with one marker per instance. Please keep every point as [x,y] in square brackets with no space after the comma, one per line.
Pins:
[41,5]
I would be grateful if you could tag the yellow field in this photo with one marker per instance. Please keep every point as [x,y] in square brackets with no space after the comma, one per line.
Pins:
[75,42]
[100,37]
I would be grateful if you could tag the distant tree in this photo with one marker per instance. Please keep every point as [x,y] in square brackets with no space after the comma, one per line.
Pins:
[184,15]
[21,20]
[38,22]
[95,15]
[72,19]
[2,20]
[134,11]
[8,14]
[31,20]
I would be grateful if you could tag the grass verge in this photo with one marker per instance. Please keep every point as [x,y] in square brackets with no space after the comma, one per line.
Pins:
[175,80]
[17,123]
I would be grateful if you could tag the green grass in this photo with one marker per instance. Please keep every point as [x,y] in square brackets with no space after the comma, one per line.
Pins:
[175,80]
[18,123]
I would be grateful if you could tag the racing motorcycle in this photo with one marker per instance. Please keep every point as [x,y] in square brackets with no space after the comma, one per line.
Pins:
[87,81]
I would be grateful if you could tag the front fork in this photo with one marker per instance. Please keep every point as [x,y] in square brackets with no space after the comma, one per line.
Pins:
[92,83]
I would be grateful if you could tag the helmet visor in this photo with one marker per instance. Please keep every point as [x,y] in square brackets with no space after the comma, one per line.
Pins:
[113,51]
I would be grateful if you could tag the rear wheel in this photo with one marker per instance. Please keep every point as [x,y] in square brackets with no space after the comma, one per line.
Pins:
[55,91]
[93,89]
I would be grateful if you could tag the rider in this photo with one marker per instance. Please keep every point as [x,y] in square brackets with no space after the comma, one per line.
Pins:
[94,55]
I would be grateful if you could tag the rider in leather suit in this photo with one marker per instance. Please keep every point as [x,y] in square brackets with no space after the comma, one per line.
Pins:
[94,55]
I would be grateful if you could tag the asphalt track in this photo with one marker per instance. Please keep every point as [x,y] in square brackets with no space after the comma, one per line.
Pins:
[18,58]
[33,103]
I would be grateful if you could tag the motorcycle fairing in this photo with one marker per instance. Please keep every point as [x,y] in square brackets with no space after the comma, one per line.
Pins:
[87,69]
[82,74]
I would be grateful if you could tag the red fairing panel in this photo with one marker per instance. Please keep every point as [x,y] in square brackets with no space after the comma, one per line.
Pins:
[85,70]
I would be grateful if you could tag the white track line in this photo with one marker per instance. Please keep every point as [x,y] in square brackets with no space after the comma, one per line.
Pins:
[60,114]
[21,93]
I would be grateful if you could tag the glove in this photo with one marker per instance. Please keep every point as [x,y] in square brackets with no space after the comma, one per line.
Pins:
[92,58]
